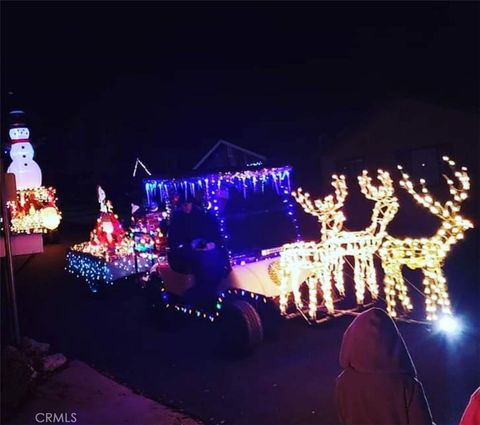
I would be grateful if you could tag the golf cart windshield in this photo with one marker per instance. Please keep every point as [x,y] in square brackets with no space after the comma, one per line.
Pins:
[254,207]
[258,221]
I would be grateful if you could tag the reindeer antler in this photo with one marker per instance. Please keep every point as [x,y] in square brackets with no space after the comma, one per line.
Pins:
[451,207]
[376,193]
[386,204]
[327,211]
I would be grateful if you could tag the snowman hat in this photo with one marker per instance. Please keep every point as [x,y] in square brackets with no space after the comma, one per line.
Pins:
[17,119]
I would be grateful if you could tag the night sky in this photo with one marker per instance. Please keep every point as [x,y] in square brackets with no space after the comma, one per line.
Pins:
[103,83]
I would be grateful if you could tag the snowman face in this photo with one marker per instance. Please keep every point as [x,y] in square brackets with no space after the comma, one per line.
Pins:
[21,151]
[19,133]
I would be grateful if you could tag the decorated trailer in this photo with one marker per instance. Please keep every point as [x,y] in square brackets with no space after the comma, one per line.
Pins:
[112,253]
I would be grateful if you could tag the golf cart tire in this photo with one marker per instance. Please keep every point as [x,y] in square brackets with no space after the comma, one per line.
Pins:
[241,328]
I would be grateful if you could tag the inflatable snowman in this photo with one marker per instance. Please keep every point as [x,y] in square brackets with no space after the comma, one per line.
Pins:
[28,174]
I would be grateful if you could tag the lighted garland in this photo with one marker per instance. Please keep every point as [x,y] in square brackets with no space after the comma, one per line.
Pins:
[209,314]
[213,187]
[426,254]
[211,183]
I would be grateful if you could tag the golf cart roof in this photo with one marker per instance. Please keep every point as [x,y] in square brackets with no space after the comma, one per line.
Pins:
[252,178]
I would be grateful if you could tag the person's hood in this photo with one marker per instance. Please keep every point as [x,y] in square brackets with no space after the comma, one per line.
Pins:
[372,343]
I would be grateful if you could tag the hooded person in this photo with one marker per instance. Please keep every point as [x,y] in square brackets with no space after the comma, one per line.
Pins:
[379,382]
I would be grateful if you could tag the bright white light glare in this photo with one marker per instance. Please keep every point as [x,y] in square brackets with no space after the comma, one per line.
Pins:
[449,325]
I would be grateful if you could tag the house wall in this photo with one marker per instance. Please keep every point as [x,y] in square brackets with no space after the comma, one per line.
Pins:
[393,131]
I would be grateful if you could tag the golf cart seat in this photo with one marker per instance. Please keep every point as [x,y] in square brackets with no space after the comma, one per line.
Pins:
[175,282]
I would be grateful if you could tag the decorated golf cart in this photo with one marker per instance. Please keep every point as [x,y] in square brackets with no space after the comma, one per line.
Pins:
[255,213]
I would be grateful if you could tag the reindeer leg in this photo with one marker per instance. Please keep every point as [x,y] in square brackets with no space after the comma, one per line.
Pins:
[338,275]
[295,285]
[371,276]
[435,286]
[444,299]
[430,289]
[394,287]
[312,296]
[358,275]
[325,273]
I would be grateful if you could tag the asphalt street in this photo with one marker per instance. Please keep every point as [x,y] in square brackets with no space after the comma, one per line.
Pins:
[290,379]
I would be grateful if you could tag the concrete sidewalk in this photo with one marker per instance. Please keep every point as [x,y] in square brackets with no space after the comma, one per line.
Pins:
[81,395]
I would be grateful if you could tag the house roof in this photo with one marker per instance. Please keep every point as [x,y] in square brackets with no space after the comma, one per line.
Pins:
[221,143]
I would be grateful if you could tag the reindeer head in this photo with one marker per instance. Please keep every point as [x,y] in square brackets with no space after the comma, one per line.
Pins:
[386,204]
[453,224]
[328,210]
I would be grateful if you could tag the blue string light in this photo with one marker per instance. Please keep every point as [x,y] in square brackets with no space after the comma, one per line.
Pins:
[93,270]
[97,271]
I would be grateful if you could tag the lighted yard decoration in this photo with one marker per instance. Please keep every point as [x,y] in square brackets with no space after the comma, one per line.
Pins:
[426,254]
[110,252]
[35,210]
[108,238]
[324,261]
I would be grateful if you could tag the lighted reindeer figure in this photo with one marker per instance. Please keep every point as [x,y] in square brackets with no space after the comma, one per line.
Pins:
[427,254]
[326,259]
[327,211]
[309,257]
